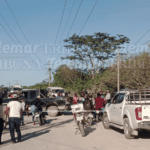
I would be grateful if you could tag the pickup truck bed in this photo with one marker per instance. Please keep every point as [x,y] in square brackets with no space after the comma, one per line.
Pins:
[128,111]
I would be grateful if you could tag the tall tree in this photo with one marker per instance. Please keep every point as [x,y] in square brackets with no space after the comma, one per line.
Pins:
[94,50]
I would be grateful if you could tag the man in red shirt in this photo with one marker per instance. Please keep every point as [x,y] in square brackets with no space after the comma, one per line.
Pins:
[99,101]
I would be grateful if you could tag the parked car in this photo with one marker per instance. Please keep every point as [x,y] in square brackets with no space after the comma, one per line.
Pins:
[130,111]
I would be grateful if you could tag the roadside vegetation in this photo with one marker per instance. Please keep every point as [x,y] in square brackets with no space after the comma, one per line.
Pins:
[99,48]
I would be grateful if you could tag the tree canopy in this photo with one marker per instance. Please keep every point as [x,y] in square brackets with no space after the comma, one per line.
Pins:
[94,50]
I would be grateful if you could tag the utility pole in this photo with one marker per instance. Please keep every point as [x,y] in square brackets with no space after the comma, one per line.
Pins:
[49,69]
[9,84]
[118,71]
[49,76]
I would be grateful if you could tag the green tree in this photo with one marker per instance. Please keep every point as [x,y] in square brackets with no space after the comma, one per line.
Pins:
[94,50]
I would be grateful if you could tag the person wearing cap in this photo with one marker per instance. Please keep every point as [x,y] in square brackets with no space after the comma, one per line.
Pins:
[15,114]
[108,96]
[101,92]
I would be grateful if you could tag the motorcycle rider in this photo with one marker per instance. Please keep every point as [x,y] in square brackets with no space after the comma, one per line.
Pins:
[102,95]
[99,103]
[87,103]
[75,99]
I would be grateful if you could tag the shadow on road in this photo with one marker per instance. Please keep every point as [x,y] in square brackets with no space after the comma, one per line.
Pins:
[44,130]
[144,134]
[28,136]
[25,127]
[117,129]
[89,130]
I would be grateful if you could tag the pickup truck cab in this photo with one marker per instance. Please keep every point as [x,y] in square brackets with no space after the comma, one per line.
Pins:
[130,111]
[55,90]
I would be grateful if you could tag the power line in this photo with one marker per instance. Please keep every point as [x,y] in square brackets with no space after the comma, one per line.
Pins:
[88,16]
[60,24]
[16,21]
[61,21]
[75,18]
[142,36]
[72,24]
[20,27]
[10,37]
[7,33]
[67,21]
[9,27]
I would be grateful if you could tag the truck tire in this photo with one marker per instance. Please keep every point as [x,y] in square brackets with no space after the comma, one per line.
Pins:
[81,127]
[52,111]
[127,129]
[105,121]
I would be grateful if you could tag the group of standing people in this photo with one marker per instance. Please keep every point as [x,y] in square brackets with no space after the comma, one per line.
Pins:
[98,102]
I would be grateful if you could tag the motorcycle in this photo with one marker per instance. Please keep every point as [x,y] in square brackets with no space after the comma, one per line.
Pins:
[82,118]
[40,117]
[99,115]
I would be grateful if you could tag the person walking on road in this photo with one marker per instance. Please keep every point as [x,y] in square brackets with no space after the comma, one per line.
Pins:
[15,114]
[33,110]
[1,119]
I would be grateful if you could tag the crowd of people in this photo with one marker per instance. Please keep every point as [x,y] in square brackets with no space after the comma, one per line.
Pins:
[16,109]
[91,103]
[13,114]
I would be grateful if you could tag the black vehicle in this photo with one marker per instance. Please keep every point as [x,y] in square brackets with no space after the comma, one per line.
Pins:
[43,93]
[52,105]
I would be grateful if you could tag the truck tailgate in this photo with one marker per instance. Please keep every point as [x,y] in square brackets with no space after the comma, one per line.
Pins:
[145,112]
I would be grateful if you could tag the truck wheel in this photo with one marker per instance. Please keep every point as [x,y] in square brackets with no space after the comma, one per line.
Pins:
[52,111]
[105,121]
[127,129]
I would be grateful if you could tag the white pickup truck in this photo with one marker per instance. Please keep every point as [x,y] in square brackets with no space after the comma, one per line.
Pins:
[130,111]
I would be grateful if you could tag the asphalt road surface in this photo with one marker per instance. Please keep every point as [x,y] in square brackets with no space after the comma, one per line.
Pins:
[59,134]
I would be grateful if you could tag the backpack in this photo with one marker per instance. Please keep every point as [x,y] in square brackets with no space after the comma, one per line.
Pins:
[87,104]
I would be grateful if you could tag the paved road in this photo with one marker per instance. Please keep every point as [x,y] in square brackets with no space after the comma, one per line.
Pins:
[59,133]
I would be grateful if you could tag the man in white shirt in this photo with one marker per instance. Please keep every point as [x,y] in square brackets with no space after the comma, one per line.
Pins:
[15,113]
[108,96]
